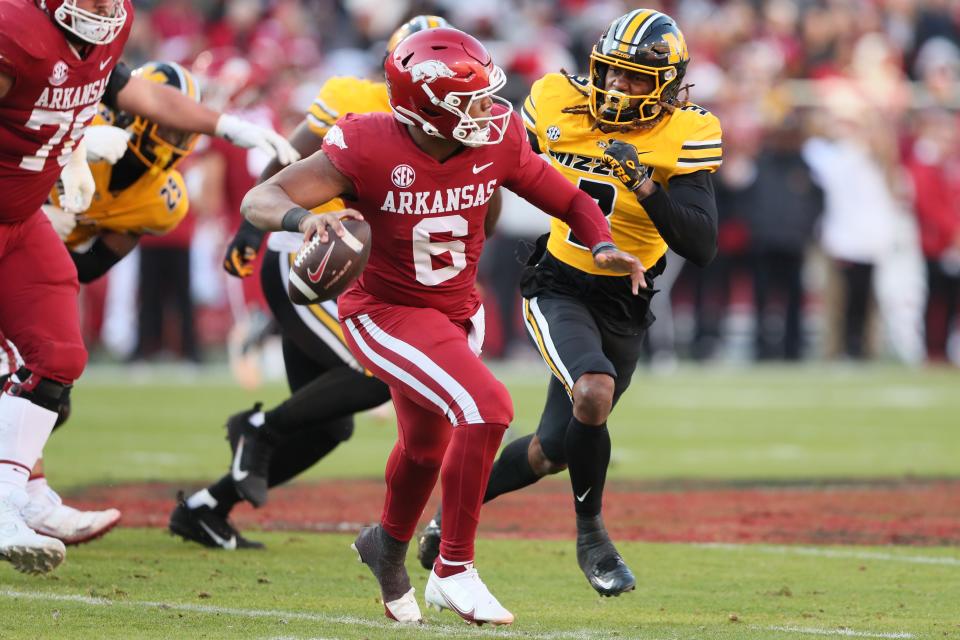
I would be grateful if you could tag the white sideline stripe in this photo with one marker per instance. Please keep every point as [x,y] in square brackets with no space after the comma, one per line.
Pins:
[446,629]
[839,632]
[833,553]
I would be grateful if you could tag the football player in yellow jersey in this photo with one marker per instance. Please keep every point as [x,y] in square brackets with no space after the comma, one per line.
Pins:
[327,384]
[625,136]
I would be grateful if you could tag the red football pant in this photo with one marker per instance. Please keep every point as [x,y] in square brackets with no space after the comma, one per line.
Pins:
[38,308]
[436,382]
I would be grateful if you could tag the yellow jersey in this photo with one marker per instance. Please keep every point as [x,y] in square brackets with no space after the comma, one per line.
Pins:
[337,97]
[153,204]
[686,141]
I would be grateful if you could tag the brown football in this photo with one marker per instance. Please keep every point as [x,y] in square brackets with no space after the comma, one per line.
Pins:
[322,270]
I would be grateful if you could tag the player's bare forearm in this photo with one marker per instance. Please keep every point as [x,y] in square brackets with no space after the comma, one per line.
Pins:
[308,183]
[166,106]
[5,83]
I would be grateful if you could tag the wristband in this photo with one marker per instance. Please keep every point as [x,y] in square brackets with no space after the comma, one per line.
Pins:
[602,246]
[292,218]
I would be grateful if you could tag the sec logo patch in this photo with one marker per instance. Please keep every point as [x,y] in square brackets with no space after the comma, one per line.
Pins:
[403,176]
[553,133]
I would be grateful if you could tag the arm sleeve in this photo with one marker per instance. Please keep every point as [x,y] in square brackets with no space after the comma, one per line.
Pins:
[95,262]
[545,188]
[118,80]
[686,217]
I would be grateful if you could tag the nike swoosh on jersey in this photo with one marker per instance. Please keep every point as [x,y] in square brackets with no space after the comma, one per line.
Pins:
[477,169]
[584,496]
[238,474]
[226,544]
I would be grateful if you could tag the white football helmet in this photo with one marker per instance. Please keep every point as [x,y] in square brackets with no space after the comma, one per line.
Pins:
[89,26]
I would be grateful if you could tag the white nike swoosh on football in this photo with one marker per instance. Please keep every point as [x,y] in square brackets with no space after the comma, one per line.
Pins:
[238,474]
[226,544]
[584,496]
[103,65]
[477,169]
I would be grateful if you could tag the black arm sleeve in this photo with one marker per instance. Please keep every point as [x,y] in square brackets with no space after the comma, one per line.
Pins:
[532,137]
[118,80]
[687,216]
[95,262]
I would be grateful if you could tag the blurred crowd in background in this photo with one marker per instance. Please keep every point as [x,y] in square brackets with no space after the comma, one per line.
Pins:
[839,194]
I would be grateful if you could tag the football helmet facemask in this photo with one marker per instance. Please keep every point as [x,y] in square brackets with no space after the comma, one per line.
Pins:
[434,77]
[643,41]
[161,148]
[89,26]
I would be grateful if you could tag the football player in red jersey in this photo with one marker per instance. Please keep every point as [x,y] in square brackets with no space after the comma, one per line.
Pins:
[58,60]
[422,180]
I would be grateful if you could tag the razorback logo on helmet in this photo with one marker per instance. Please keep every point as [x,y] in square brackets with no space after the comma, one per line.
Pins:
[430,70]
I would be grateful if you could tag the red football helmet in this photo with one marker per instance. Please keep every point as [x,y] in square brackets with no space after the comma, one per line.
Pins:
[89,26]
[436,75]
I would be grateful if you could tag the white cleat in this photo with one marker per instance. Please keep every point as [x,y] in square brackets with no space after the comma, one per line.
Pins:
[467,596]
[22,547]
[46,514]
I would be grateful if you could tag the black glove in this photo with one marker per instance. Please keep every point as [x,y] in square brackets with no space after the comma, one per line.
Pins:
[242,250]
[621,158]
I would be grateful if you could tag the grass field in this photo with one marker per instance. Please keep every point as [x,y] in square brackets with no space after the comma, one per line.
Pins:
[766,425]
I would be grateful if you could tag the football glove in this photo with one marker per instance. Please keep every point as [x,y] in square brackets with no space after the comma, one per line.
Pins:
[246,134]
[242,250]
[104,142]
[63,222]
[622,160]
[78,183]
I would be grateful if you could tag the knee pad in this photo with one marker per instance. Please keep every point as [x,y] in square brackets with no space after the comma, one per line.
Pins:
[42,392]
[339,430]
[60,360]
[495,405]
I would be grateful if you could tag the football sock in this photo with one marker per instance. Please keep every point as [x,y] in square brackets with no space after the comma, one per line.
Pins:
[297,454]
[464,475]
[25,427]
[337,393]
[445,568]
[224,493]
[588,454]
[512,469]
[409,485]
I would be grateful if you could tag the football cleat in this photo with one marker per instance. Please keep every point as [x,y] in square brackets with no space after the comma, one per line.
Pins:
[385,556]
[598,559]
[251,457]
[204,526]
[465,594]
[21,546]
[46,514]
[428,546]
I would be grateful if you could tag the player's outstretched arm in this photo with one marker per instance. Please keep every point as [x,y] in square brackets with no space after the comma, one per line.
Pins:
[282,202]
[170,108]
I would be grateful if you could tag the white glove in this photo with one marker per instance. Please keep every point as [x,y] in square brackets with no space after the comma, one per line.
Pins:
[246,134]
[78,184]
[105,143]
[63,222]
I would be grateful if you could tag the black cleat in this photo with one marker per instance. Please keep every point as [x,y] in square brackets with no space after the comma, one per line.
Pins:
[598,559]
[204,526]
[251,456]
[385,556]
[428,546]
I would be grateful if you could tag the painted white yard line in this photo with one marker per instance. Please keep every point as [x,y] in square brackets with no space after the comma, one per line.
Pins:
[844,632]
[946,561]
[460,630]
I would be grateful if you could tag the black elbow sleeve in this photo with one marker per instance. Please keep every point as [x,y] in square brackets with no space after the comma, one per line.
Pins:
[95,262]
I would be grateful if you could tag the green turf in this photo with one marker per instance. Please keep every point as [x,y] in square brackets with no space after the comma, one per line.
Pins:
[765,423]
[144,584]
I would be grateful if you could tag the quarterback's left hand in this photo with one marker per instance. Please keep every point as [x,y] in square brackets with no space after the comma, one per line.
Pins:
[622,160]
[78,183]
[612,259]
[246,134]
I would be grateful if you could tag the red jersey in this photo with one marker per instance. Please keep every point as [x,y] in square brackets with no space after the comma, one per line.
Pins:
[426,216]
[53,98]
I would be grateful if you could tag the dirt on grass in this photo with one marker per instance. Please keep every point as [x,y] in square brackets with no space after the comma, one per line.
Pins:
[902,512]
